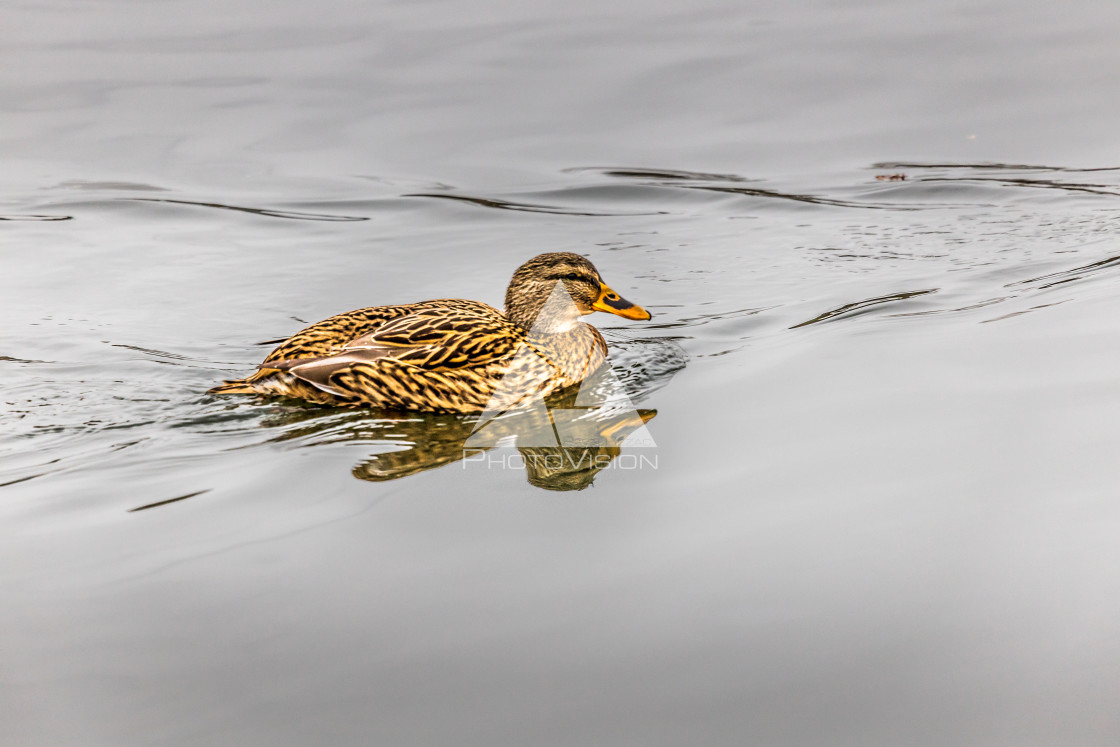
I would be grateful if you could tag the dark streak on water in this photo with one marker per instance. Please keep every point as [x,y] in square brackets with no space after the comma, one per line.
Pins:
[168,501]
[859,307]
[292,215]
[507,205]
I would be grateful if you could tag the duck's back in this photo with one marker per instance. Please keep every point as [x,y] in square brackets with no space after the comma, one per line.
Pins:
[443,355]
[331,335]
[447,355]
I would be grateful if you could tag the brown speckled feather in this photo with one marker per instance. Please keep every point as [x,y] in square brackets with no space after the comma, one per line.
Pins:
[450,355]
[442,356]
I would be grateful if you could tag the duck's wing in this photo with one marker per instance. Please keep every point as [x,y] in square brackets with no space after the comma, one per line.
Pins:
[330,335]
[431,339]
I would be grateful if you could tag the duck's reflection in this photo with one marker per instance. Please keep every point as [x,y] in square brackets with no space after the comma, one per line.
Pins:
[562,444]
[559,449]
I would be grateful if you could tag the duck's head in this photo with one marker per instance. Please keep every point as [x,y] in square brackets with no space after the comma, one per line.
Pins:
[533,288]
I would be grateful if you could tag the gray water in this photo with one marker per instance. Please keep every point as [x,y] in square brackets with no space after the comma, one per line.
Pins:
[882,506]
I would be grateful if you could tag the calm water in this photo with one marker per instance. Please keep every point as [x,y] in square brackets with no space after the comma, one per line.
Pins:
[882,506]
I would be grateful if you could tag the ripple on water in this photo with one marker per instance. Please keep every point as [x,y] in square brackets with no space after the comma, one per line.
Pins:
[971,242]
[36,218]
[975,218]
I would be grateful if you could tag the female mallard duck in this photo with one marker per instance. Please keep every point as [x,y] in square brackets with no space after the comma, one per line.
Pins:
[451,355]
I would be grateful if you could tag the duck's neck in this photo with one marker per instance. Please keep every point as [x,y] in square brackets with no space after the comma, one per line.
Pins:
[574,352]
[552,324]
[524,316]
[554,315]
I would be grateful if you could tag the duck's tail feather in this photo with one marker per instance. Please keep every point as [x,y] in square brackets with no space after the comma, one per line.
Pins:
[261,381]
[239,386]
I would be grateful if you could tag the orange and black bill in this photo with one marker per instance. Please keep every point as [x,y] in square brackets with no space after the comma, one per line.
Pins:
[612,303]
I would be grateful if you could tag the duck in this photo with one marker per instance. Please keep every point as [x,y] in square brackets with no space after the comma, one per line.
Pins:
[451,355]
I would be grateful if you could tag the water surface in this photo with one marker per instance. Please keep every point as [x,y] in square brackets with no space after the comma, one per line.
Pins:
[878,243]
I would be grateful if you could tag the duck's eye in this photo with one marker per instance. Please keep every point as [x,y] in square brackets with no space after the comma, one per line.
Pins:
[571,276]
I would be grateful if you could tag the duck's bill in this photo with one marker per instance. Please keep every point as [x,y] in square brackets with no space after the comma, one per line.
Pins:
[612,303]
